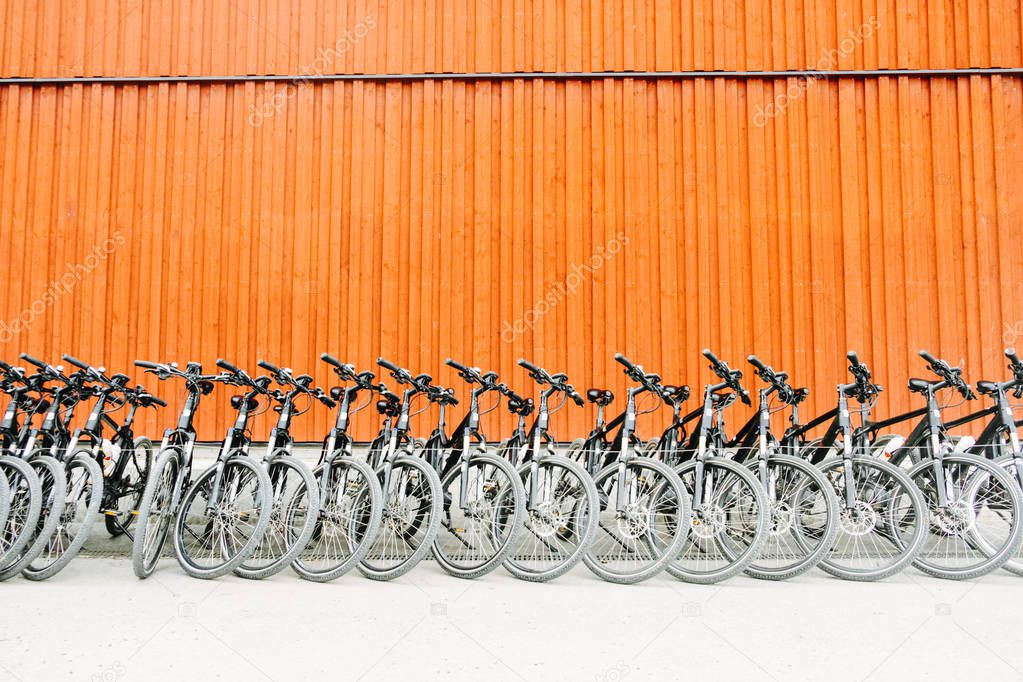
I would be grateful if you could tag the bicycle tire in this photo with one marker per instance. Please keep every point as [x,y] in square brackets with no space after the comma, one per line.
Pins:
[83,496]
[583,516]
[499,523]
[279,544]
[338,500]
[1014,564]
[163,488]
[238,470]
[25,507]
[396,513]
[53,486]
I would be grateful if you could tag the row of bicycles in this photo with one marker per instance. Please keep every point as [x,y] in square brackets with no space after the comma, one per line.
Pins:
[838,491]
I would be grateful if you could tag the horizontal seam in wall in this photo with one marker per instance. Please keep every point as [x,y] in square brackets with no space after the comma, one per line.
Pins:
[515,75]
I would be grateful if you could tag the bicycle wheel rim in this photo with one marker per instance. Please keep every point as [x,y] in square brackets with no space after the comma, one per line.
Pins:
[978,527]
[478,536]
[152,531]
[410,517]
[25,507]
[348,521]
[638,539]
[802,518]
[882,531]
[215,540]
[559,528]
[294,508]
[728,528]
[83,490]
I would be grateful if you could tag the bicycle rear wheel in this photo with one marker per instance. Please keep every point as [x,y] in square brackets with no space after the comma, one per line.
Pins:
[350,512]
[130,488]
[474,540]
[156,512]
[26,504]
[884,528]
[83,495]
[636,541]
[728,529]
[413,504]
[296,506]
[53,485]
[978,528]
[562,523]
[218,526]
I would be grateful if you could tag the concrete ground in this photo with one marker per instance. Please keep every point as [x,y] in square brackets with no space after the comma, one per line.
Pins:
[96,621]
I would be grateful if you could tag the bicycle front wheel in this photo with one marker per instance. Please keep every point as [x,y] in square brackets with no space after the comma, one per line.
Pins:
[1008,463]
[477,536]
[882,530]
[25,506]
[221,521]
[643,520]
[803,519]
[728,528]
[156,512]
[560,523]
[296,506]
[976,528]
[413,503]
[84,493]
[351,507]
[53,485]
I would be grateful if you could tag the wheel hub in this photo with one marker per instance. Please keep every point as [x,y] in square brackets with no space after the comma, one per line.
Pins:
[954,518]
[634,521]
[859,519]
[782,518]
[545,521]
[708,521]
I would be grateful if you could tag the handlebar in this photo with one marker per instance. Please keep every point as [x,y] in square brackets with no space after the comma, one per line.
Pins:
[270,367]
[953,376]
[525,364]
[224,364]
[147,365]
[730,376]
[31,360]
[854,359]
[76,362]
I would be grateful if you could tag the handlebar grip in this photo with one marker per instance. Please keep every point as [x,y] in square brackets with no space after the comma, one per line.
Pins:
[28,358]
[854,359]
[74,361]
[457,365]
[158,401]
[1011,354]
[388,365]
[224,364]
[330,360]
[146,364]
[756,362]
[576,398]
[269,366]
[624,361]
[929,358]
[525,364]
[4,366]
[710,356]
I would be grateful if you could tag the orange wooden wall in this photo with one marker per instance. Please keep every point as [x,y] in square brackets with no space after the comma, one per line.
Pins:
[424,220]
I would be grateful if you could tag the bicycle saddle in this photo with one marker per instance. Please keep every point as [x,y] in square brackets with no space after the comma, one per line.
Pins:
[921,385]
[120,379]
[600,396]
[987,387]
[336,392]
[800,395]
[424,379]
[676,394]
[387,407]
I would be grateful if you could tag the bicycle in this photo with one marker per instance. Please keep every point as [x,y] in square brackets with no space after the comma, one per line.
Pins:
[999,441]
[65,482]
[883,518]
[349,491]
[226,511]
[730,519]
[294,489]
[412,492]
[644,508]
[171,475]
[803,506]
[562,502]
[120,483]
[974,504]
[25,502]
[484,502]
